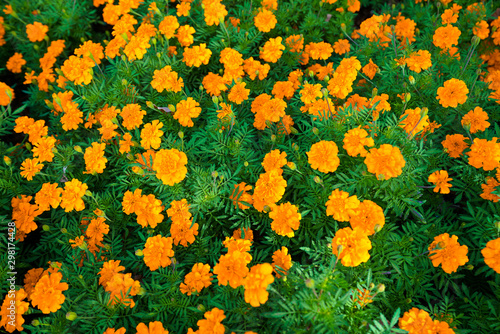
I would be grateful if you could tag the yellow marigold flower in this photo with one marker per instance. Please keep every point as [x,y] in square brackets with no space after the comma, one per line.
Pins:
[240,195]
[72,195]
[12,310]
[454,145]
[445,37]
[355,141]
[49,195]
[282,262]
[47,294]
[272,50]
[367,217]
[137,47]
[183,231]
[185,110]
[440,179]
[151,135]
[256,282]
[155,327]
[30,167]
[95,161]
[484,153]
[418,61]
[212,322]
[197,279]
[286,219]
[238,93]
[231,269]
[15,63]
[265,20]
[183,8]
[351,246]
[386,161]
[413,121]
[491,254]
[197,55]
[340,205]
[295,43]
[185,35]
[476,120]
[36,32]
[323,156]
[453,93]
[269,189]
[446,250]
[416,321]
[126,143]
[168,26]
[158,252]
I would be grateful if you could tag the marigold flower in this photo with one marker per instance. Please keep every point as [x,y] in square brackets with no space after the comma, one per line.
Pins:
[351,246]
[282,262]
[30,280]
[166,79]
[368,217]
[323,156]
[197,279]
[120,330]
[13,305]
[15,63]
[183,8]
[197,55]
[246,234]
[149,211]
[238,93]
[355,141]
[6,94]
[269,189]
[405,30]
[168,26]
[43,149]
[274,160]
[321,50]
[491,254]
[295,43]
[155,327]
[78,70]
[272,50]
[370,69]
[92,51]
[36,32]
[265,20]
[185,35]
[454,145]
[170,166]
[484,153]
[286,219]
[416,321]
[214,84]
[212,322]
[132,115]
[342,46]
[47,294]
[30,167]
[476,120]
[440,179]
[158,252]
[109,269]
[126,143]
[386,161]
[95,161]
[481,29]
[489,188]
[449,16]
[256,282]
[183,231]
[413,121]
[185,110]
[453,93]
[240,195]
[445,37]
[24,214]
[231,269]
[49,195]
[122,287]
[151,135]
[418,61]
[340,205]
[446,250]
[72,195]
[214,12]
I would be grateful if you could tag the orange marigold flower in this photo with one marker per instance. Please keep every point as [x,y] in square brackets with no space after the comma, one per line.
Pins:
[185,35]
[170,166]
[256,282]
[215,12]
[132,202]
[355,141]
[231,269]
[183,231]
[238,93]
[386,161]
[282,262]
[197,55]
[484,153]
[323,156]
[137,47]
[6,94]
[446,250]
[370,69]
[342,46]
[179,210]
[274,160]
[405,30]
[185,110]
[214,84]
[126,143]
[481,29]
[151,135]
[47,294]
[197,279]
[269,189]
[286,219]
[240,196]
[413,121]
[351,246]
[368,217]
[476,120]
[183,9]
[109,269]
[132,115]
[168,26]
[440,179]
[43,149]
[340,205]
[321,50]
[491,254]
[95,233]
[30,167]
[445,37]
[212,322]
[454,145]
[246,234]
[418,61]
[120,330]
[12,310]
[166,79]
[15,63]
[49,195]
[78,70]
[265,20]
[488,188]
[95,161]
[122,287]
[282,89]
[295,43]
[453,93]
[149,211]
[30,280]
[72,195]
[449,16]
[92,51]
[36,32]
[416,321]
[241,245]
[273,110]
[24,214]
[310,93]
[272,50]
[155,327]
[158,252]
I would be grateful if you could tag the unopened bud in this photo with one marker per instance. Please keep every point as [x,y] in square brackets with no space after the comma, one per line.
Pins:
[318,180]
[408,300]
[124,82]
[7,160]
[310,73]
[150,104]
[71,316]
[35,323]
[181,135]
[215,174]
[315,131]
[78,149]
[381,288]
[475,40]
[310,283]
[215,100]
[201,308]
[340,248]
[267,208]
[294,130]
[139,252]
[64,231]
[245,164]
[138,171]
[377,228]
[497,225]
[142,291]
[46,228]
[411,79]
[469,267]
[273,138]
[407,97]
[88,193]
[424,112]
[292,165]
[374,92]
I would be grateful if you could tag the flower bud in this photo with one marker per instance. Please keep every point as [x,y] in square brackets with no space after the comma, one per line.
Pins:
[267,208]
[245,163]
[407,97]
[64,231]
[215,174]
[411,79]
[138,171]
[78,149]
[46,228]
[139,252]
[310,283]
[340,248]
[83,246]
[315,131]
[273,138]
[35,323]
[469,267]
[181,135]
[215,100]
[475,40]
[408,300]
[374,92]
[424,112]
[318,180]
[7,160]
[293,130]
[71,316]
[292,165]
[28,146]
[381,288]
[201,308]
[88,193]
[377,228]
[142,291]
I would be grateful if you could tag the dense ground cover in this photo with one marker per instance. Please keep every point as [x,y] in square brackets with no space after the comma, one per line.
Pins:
[250,166]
